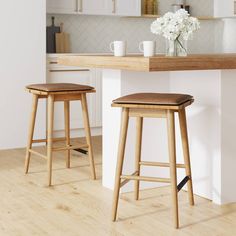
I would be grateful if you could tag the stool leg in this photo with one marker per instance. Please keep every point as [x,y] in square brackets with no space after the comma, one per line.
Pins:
[31,131]
[50,120]
[120,160]
[172,156]
[67,130]
[88,134]
[46,122]
[184,136]
[138,148]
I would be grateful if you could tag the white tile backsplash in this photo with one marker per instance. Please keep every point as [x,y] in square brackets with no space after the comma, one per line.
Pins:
[93,34]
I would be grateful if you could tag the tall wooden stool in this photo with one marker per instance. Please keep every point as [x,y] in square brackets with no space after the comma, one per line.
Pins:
[154,105]
[59,92]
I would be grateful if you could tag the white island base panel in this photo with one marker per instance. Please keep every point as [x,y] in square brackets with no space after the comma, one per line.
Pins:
[211,125]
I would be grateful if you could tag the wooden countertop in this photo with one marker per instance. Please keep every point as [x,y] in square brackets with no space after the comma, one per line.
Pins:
[157,63]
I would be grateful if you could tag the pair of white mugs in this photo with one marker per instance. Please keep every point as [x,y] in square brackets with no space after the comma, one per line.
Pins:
[148,48]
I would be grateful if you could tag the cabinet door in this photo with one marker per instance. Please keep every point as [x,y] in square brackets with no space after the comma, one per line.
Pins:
[226,8]
[128,7]
[62,6]
[96,7]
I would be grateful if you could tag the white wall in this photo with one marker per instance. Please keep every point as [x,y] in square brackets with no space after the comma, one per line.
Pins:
[225,35]
[224,8]
[228,161]
[22,61]
[229,35]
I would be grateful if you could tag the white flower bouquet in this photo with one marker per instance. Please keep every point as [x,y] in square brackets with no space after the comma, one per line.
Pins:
[176,27]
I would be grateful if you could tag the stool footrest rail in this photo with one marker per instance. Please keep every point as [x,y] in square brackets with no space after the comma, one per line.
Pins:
[37,154]
[145,178]
[159,164]
[70,147]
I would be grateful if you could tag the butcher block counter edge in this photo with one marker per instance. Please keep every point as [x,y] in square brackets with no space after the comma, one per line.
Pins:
[156,63]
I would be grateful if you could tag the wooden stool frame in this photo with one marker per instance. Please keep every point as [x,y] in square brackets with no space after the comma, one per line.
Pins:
[53,97]
[154,111]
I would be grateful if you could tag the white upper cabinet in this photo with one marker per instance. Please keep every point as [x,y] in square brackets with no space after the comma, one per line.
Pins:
[127,7]
[96,7]
[224,8]
[62,6]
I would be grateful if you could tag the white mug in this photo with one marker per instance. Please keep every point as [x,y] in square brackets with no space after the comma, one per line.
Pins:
[119,48]
[148,48]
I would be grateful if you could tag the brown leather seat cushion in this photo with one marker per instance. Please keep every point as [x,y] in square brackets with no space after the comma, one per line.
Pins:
[59,87]
[154,99]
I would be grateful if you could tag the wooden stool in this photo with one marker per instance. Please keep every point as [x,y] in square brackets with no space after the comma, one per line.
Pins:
[154,105]
[58,92]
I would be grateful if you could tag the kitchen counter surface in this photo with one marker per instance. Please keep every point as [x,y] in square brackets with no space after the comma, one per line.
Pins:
[53,55]
[157,63]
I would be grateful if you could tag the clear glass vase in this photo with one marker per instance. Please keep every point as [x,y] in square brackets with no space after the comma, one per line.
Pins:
[176,48]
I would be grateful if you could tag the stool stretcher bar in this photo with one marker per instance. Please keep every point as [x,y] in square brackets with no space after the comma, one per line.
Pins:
[78,148]
[71,147]
[124,182]
[145,178]
[134,176]
[159,164]
[45,140]
[37,154]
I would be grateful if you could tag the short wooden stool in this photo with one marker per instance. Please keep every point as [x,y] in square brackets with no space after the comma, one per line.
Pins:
[59,92]
[154,105]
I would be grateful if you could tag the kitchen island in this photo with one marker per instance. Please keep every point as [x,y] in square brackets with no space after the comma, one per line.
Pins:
[211,79]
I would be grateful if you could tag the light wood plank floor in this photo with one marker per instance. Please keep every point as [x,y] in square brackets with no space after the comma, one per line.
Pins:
[78,206]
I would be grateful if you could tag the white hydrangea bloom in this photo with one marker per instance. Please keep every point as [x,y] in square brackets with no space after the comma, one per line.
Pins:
[175,25]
